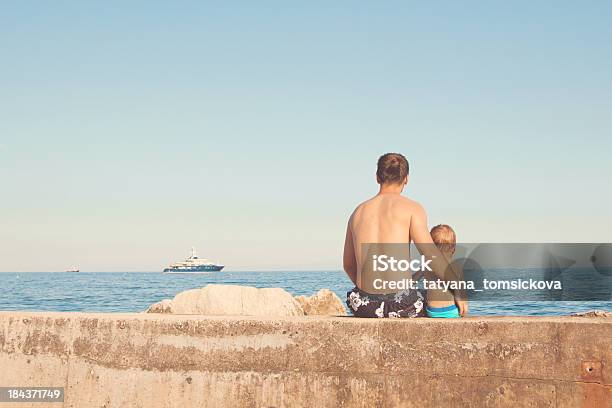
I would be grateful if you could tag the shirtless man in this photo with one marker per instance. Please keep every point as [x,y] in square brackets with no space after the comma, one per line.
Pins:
[390,218]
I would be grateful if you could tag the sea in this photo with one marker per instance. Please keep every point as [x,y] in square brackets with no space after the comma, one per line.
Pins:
[135,291]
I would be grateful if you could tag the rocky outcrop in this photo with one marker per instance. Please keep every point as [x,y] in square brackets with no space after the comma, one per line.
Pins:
[324,302]
[164,306]
[227,300]
[593,313]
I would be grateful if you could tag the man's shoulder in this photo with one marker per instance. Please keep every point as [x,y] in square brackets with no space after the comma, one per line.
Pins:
[360,207]
[407,209]
[408,203]
[366,203]
[400,202]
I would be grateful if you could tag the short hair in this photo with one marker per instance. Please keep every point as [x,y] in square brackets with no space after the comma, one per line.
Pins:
[392,168]
[444,237]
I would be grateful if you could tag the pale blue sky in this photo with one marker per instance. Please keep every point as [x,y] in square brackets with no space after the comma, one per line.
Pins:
[130,132]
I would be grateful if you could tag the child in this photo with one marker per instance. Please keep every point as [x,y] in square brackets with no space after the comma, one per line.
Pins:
[441,304]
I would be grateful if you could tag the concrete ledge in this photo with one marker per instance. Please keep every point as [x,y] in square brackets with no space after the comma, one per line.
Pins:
[147,360]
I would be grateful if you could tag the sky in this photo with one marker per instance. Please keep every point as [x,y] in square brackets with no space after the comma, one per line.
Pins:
[131,131]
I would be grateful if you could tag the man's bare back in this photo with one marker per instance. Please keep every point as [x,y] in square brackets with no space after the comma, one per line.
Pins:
[388,217]
[383,218]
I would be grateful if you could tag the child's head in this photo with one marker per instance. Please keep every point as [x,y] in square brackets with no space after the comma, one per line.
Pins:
[444,237]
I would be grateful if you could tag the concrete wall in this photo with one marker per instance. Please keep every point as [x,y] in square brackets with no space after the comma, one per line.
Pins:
[144,360]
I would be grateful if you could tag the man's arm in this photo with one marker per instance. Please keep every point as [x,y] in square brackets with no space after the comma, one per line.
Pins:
[461,298]
[349,261]
[419,234]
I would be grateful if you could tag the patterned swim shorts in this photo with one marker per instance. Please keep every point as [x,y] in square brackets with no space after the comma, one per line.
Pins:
[406,303]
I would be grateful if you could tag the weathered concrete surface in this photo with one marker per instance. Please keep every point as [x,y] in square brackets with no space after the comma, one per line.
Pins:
[154,360]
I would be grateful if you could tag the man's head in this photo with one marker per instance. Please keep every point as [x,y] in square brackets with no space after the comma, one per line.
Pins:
[392,169]
[444,237]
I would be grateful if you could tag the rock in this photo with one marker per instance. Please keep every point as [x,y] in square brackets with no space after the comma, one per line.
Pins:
[224,300]
[324,302]
[593,313]
[164,306]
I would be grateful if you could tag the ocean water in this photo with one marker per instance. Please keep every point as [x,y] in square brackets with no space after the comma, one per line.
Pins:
[134,292]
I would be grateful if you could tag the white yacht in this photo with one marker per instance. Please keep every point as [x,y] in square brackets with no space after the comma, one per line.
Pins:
[193,264]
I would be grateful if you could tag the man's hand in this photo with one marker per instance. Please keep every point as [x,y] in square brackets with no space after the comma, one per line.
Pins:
[462,305]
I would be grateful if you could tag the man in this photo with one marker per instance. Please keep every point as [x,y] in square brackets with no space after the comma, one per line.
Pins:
[389,218]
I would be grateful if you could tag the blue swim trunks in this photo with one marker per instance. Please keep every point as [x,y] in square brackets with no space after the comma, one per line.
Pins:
[442,312]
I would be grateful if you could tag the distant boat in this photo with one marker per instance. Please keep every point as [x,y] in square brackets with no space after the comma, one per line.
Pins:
[73,269]
[193,264]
